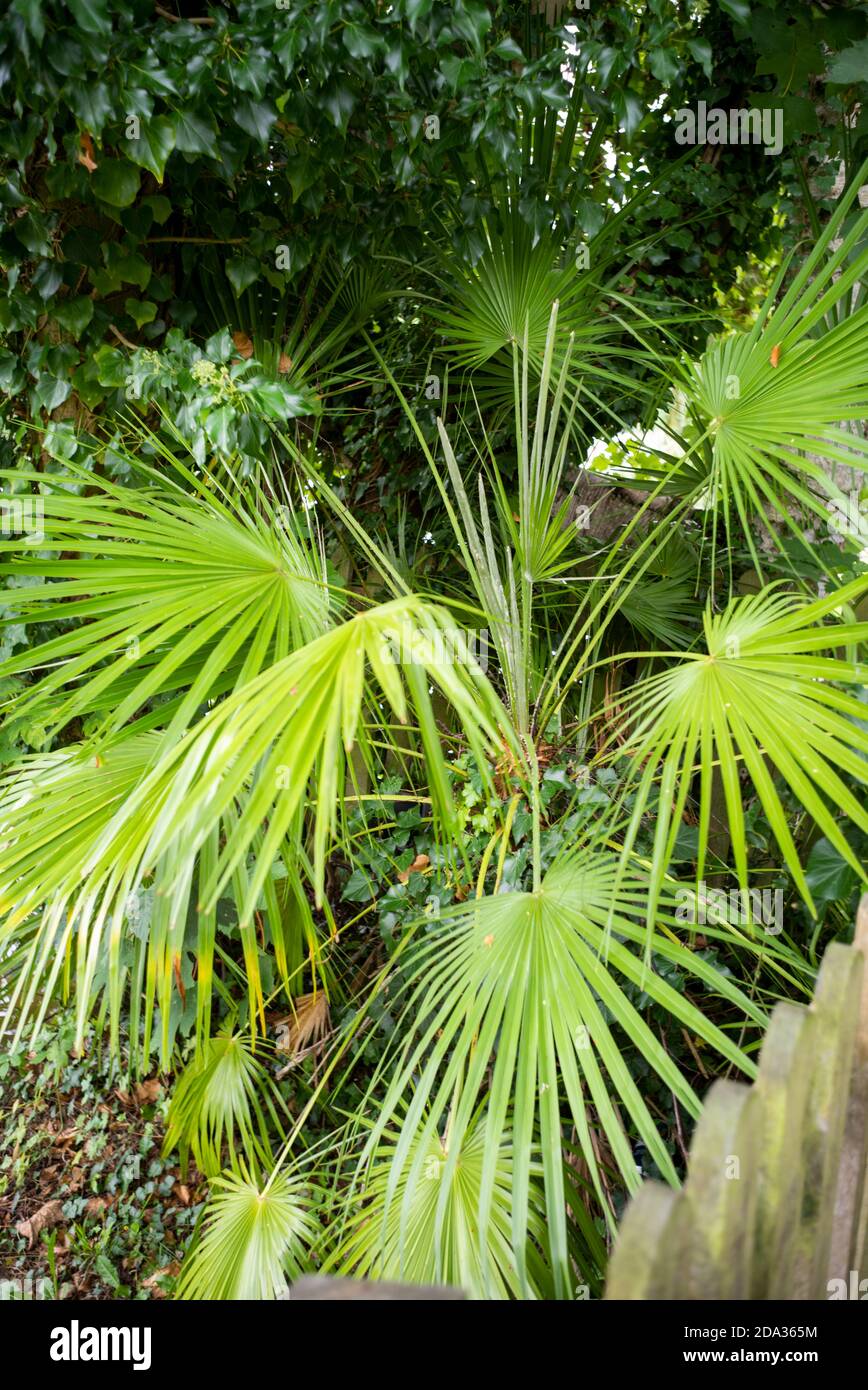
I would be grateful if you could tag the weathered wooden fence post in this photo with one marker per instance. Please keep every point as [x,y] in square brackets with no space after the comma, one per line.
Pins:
[775,1203]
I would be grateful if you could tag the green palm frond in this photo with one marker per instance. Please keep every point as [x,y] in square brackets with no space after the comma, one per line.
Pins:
[305,329]
[664,610]
[54,808]
[216,809]
[302,715]
[427,1248]
[769,401]
[224,1097]
[522,988]
[766,697]
[253,1237]
[508,295]
[168,593]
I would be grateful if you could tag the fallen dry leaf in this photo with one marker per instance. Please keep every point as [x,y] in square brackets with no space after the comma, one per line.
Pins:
[169,1271]
[419,863]
[306,1028]
[176,966]
[95,1206]
[48,1215]
[147,1092]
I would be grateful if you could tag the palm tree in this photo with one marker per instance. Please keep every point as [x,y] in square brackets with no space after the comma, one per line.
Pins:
[228,698]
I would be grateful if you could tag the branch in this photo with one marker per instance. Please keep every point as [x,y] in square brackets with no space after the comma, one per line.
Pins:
[180,19]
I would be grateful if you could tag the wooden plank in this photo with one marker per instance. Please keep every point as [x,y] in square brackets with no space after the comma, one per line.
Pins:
[645,1262]
[847,1245]
[720,1196]
[836,1010]
[782,1089]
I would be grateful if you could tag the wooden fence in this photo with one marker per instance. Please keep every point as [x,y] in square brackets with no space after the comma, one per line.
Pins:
[775,1204]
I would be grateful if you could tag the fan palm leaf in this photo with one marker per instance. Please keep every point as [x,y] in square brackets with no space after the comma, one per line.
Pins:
[521,988]
[253,1237]
[224,1096]
[375,1244]
[767,696]
[168,593]
[216,808]
[769,401]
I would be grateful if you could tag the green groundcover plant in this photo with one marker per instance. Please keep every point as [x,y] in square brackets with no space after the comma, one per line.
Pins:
[440,842]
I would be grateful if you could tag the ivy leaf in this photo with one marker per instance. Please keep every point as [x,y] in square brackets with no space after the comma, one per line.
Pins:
[851,66]
[629,110]
[361,41]
[18,137]
[283,404]
[415,10]
[302,173]
[789,51]
[82,245]
[737,8]
[472,21]
[159,207]
[33,234]
[47,279]
[358,887]
[91,15]
[218,426]
[92,103]
[256,118]
[59,440]
[339,103]
[553,93]
[701,50]
[154,145]
[509,49]
[589,215]
[830,877]
[122,268]
[460,72]
[664,64]
[74,315]
[31,12]
[194,134]
[242,271]
[51,392]
[398,63]
[141,311]
[116,182]
[288,47]
[12,376]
